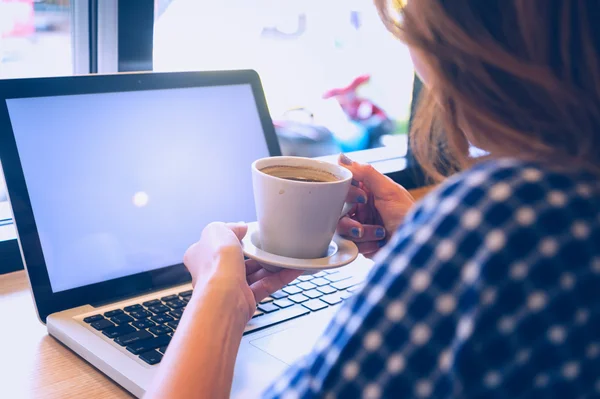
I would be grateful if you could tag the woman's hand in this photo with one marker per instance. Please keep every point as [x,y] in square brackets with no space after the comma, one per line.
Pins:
[380,206]
[217,266]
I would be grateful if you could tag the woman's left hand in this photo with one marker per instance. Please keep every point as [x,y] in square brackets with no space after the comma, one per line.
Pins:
[217,265]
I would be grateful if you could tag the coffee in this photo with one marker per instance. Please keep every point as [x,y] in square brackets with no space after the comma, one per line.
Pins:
[300,173]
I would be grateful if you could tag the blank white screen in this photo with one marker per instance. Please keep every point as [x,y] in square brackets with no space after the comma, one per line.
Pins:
[122,183]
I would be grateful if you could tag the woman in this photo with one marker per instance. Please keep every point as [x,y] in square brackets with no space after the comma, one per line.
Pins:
[488,287]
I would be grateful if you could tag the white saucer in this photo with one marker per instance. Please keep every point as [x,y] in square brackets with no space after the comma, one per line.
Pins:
[341,252]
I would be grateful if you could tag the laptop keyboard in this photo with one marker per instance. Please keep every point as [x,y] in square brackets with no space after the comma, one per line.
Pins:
[146,329]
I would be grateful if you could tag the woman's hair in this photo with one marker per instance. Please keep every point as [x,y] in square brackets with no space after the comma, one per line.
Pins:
[516,78]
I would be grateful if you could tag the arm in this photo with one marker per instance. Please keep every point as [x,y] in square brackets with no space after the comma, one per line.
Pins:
[200,360]
[396,337]
[201,356]
[465,303]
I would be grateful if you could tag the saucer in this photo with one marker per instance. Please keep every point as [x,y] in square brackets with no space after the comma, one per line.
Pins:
[341,252]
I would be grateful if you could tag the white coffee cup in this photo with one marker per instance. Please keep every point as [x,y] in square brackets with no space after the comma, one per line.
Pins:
[297,219]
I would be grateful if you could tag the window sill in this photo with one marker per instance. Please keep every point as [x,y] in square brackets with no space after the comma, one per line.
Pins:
[385,159]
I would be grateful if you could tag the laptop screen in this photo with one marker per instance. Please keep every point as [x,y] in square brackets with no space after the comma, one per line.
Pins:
[122,183]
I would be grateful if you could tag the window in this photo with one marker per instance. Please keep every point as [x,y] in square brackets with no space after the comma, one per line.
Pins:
[334,78]
[304,50]
[35,40]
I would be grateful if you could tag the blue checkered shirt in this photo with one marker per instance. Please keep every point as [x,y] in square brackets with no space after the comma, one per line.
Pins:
[489,289]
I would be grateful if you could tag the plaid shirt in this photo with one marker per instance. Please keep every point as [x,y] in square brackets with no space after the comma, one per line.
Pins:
[489,289]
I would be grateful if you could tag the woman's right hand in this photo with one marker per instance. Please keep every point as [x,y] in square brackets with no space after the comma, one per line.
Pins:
[380,207]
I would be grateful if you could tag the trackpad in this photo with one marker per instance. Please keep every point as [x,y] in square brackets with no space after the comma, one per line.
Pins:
[289,345]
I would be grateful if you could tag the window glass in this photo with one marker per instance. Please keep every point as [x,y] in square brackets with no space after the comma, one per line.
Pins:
[334,78]
[35,38]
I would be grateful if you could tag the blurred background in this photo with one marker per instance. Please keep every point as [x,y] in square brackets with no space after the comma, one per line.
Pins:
[334,78]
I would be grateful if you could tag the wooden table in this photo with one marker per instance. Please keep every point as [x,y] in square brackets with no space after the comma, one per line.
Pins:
[35,365]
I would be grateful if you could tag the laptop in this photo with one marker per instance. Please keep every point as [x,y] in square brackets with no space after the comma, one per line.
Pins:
[111,178]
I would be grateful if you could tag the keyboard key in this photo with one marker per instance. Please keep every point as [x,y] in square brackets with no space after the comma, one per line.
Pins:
[345,294]
[279,294]
[258,313]
[140,314]
[332,299]
[151,357]
[186,293]
[176,313]
[148,344]
[153,302]
[267,300]
[133,308]
[268,308]
[338,276]
[342,285]
[162,349]
[102,324]
[306,286]
[133,337]
[176,304]
[315,305]
[161,318]
[296,281]
[158,308]
[306,277]
[186,299]
[292,290]
[320,282]
[331,271]
[114,332]
[113,313]
[91,319]
[312,294]
[275,318]
[160,330]
[143,324]
[298,298]
[320,274]
[173,324]
[121,319]
[284,303]
[169,298]
[327,289]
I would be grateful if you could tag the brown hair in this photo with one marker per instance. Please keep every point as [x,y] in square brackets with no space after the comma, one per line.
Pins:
[516,78]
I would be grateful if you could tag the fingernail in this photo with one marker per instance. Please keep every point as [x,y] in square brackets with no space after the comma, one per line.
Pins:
[356,232]
[355,183]
[380,233]
[361,199]
[381,243]
[345,160]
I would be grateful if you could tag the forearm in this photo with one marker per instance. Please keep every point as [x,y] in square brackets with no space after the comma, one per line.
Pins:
[200,359]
